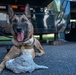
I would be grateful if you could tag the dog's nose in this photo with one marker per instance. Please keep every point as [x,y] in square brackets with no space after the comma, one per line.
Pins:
[19,29]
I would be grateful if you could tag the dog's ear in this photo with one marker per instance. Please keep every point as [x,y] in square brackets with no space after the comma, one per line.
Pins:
[27,11]
[10,12]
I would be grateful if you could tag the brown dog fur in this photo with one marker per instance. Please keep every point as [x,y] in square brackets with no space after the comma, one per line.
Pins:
[15,51]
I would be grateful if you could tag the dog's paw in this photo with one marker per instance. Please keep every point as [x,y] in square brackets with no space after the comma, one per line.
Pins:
[38,54]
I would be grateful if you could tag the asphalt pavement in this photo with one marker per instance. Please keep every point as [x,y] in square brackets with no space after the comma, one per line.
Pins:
[61,60]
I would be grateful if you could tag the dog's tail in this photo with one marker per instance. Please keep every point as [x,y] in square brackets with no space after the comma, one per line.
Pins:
[41,67]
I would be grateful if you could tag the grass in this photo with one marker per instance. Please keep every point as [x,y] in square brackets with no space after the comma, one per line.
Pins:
[45,37]
[5,39]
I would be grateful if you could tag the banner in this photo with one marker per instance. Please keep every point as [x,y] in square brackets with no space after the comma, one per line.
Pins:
[57,4]
[73,0]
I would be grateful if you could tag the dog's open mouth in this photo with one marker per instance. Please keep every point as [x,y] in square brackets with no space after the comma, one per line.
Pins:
[20,36]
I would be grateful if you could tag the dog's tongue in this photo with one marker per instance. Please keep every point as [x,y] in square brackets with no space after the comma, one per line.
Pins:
[20,36]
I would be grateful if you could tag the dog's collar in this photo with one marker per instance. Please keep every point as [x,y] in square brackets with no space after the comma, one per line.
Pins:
[29,41]
[27,44]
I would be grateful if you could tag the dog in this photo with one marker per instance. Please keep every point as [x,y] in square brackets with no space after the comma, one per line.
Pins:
[23,36]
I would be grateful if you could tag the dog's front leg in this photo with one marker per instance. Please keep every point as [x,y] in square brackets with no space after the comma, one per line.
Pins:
[14,52]
[39,48]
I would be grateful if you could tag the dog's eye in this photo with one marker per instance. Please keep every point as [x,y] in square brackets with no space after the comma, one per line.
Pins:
[23,20]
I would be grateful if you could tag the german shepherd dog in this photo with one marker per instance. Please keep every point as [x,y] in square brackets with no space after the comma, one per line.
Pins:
[22,31]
